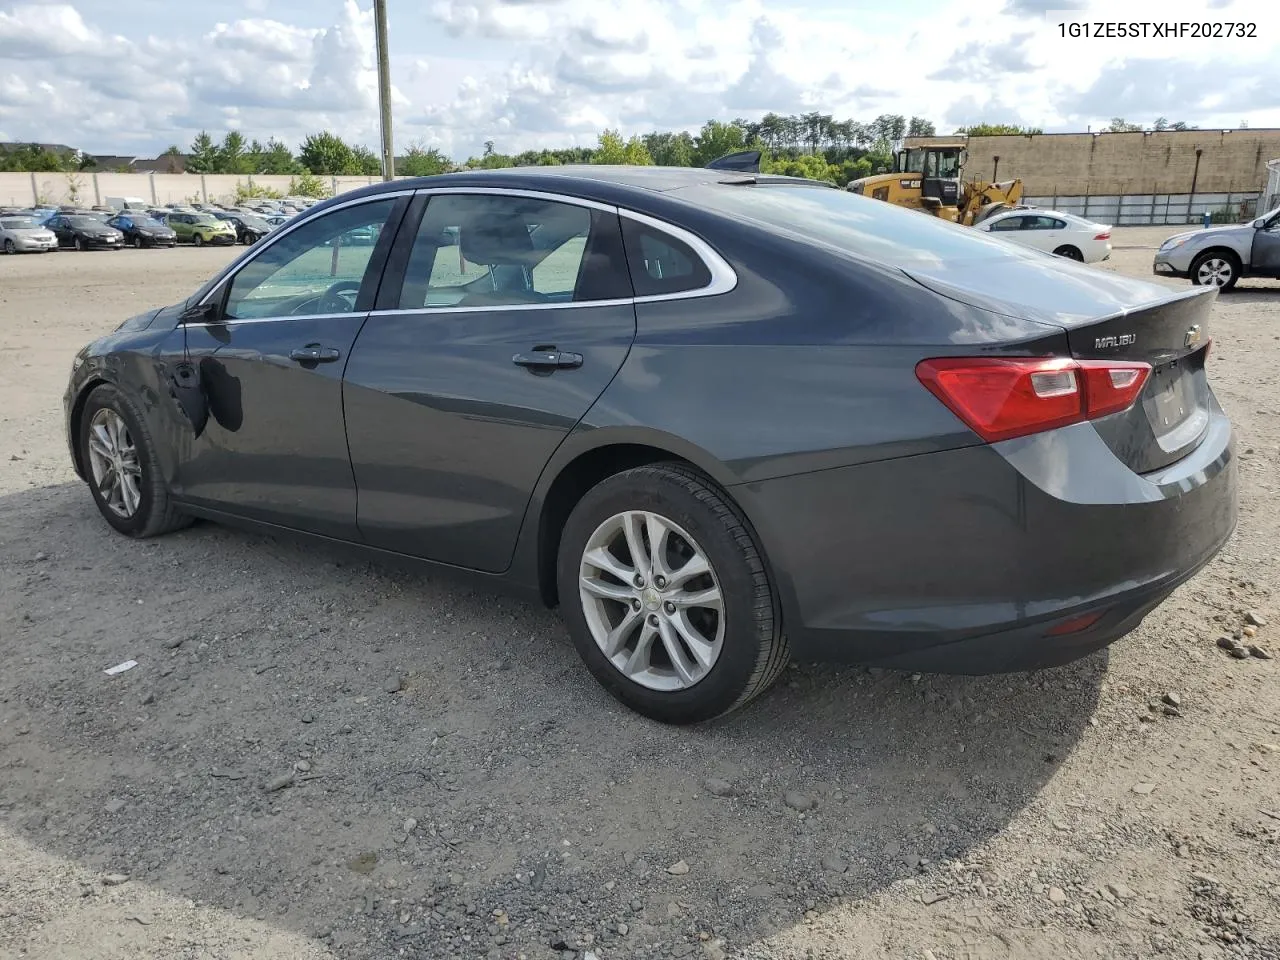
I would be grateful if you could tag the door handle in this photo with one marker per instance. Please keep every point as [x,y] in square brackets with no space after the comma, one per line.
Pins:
[551,359]
[314,353]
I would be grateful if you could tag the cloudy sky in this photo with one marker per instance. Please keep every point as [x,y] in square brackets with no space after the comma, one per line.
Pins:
[132,76]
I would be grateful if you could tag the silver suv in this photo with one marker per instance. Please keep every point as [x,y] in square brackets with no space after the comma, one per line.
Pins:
[1219,256]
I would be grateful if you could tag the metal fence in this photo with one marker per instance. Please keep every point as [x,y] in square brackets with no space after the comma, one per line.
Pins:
[1159,209]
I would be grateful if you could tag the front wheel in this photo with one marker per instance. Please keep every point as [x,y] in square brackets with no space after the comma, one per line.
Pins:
[137,243]
[9,247]
[198,240]
[1215,269]
[119,457]
[666,596]
[79,244]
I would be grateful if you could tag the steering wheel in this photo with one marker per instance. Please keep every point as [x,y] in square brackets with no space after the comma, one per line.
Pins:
[339,298]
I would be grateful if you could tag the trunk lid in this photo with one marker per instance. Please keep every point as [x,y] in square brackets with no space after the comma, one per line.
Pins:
[1108,317]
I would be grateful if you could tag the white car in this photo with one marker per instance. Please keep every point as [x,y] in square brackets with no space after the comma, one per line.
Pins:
[1062,233]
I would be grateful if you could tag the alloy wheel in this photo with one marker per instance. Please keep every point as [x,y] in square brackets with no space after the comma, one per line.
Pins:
[9,247]
[1215,272]
[652,601]
[79,244]
[113,460]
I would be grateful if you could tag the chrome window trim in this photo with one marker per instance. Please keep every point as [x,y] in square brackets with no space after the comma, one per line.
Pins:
[723,277]
[286,318]
[262,246]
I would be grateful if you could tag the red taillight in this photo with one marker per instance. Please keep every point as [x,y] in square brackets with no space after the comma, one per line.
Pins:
[1103,236]
[1001,398]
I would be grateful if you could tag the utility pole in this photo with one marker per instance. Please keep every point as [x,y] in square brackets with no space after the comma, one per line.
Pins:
[384,88]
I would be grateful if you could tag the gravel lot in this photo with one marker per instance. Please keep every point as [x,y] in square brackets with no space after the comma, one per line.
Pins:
[320,757]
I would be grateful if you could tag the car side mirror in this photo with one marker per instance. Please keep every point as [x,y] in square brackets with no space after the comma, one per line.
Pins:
[1259,223]
[201,313]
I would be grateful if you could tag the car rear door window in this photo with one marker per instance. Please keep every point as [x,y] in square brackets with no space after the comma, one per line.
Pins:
[659,263]
[491,250]
[1008,223]
[1042,223]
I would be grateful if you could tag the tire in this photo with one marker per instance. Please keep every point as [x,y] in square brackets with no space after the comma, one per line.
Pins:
[79,244]
[154,512]
[1221,269]
[198,240]
[1070,253]
[748,648]
[9,247]
[137,243]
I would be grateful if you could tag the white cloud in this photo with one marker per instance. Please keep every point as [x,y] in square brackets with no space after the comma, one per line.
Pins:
[533,73]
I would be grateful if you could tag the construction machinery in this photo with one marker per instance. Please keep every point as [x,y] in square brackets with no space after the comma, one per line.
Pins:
[929,177]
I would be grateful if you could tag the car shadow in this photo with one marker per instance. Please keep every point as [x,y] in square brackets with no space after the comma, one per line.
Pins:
[393,762]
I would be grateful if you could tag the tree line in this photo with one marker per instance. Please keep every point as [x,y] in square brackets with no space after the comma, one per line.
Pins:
[814,145]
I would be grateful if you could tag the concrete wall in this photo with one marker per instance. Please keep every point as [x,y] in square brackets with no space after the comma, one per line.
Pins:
[26,189]
[1128,163]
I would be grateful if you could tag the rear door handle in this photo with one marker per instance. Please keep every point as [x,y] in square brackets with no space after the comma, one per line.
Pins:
[548,360]
[314,353]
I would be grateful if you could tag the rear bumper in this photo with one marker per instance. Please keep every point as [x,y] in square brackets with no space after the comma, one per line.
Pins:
[966,561]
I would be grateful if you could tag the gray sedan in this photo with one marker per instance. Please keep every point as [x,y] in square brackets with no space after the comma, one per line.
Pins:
[1219,256]
[26,235]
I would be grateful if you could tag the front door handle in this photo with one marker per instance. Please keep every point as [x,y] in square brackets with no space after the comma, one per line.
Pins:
[314,353]
[551,359]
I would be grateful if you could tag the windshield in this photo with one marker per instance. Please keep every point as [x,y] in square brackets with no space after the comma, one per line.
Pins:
[910,161]
[847,222]
[19,223]
[83,221]
[254,223]
[205,218]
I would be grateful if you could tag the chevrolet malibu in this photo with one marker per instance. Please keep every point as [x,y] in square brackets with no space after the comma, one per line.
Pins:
[720,419]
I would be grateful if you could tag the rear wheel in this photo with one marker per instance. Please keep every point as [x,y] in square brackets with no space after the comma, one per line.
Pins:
[119,457]
[1215,269]
[666,596]
[1070,252]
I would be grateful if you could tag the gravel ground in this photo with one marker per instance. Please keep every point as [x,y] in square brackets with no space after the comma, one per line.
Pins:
[317,757]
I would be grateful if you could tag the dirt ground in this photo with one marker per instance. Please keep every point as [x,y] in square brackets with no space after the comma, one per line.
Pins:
[316,757]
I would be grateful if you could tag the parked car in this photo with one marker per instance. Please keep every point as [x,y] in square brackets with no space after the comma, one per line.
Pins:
[84,232]
[201,228]
[277,220]
[1063,234]
[1219,256]
[718,418]
[19,234]
[142,231]
[249,228]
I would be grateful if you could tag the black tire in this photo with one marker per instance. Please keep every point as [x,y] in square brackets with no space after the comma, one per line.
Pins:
[1230,262]
[198,240]
[137,243]
[754,650]
[156,513]
[79,244]
[9,247]
[1070,253]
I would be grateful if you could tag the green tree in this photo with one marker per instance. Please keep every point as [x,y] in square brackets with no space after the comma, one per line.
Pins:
[420,161]
[327,153]
[716,139]
[204,154]
[308,185]
[997,130]
[173,153]
[31,158]
[614,150]
[367,162]
[920,127]
[233,155]
[670,149]
[274,159]
[1121,125]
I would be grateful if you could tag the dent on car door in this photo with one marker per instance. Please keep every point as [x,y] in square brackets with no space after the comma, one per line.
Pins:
[506,319]
[270,361]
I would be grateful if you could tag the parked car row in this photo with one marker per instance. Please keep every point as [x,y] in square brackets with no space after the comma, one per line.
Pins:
[40,230]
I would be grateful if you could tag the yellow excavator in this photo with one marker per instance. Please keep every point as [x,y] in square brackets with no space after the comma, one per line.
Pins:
[928,177]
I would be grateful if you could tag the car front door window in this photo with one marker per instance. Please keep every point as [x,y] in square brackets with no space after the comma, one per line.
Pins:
[317,269]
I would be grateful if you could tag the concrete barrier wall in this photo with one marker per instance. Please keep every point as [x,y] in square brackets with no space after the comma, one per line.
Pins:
[1168,161]
[27,189]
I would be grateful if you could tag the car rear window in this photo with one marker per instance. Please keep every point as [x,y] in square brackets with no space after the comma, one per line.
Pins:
[858,225]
